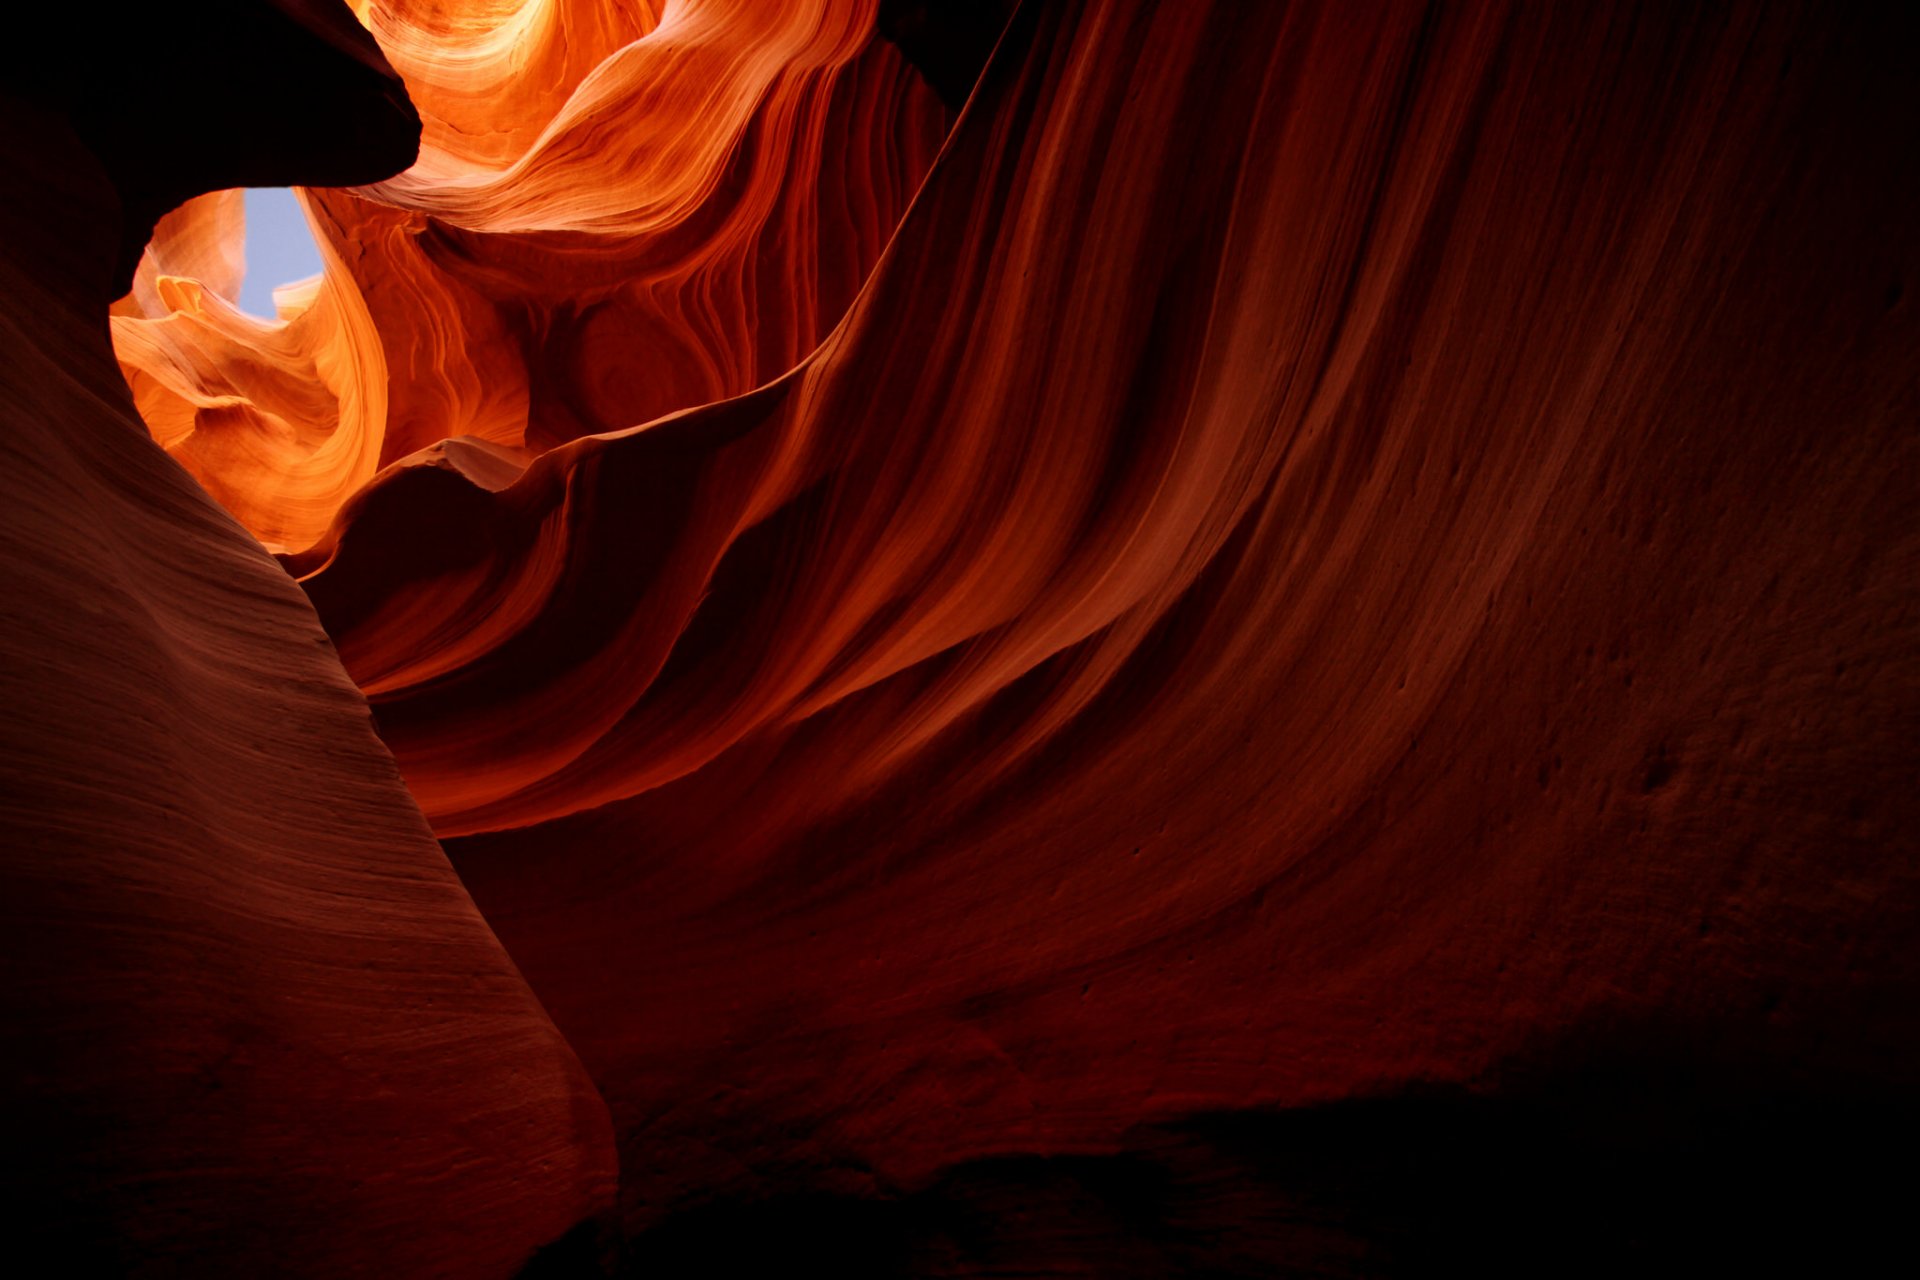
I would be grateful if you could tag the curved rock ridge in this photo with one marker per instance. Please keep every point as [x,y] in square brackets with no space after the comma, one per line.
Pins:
[613,217]
[1331,547]
[254,1023]
[1265,639]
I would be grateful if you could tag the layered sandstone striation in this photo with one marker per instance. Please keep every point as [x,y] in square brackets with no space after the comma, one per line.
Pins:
[1332,552]
[255,1025]
[614,216]
[1168,660]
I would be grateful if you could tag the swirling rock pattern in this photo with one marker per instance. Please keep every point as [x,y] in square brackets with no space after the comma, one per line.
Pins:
[1293,605]
[613,217]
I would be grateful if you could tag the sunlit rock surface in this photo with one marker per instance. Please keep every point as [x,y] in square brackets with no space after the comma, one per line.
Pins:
[613,217]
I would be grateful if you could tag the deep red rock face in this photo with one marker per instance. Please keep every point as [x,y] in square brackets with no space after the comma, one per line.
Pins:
[255,1025]
[1256,639]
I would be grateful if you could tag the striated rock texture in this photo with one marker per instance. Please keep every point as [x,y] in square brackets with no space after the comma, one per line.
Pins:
[614,216]
[1275,639]
[254,1024]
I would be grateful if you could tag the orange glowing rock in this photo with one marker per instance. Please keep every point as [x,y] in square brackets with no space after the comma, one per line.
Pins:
[1280,558]
[646,217]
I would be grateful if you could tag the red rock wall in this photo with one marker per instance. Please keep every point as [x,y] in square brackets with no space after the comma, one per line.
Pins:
[254,1024]
[1316,673]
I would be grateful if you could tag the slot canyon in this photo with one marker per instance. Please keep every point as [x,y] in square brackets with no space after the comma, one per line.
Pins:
[942,638]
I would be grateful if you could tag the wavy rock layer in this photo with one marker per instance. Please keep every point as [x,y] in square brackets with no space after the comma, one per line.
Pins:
[613,217]
[255,1025]
[1334,551]
[1298,655]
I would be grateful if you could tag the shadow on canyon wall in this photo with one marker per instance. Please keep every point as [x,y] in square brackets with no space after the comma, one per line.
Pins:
[1618,1151]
